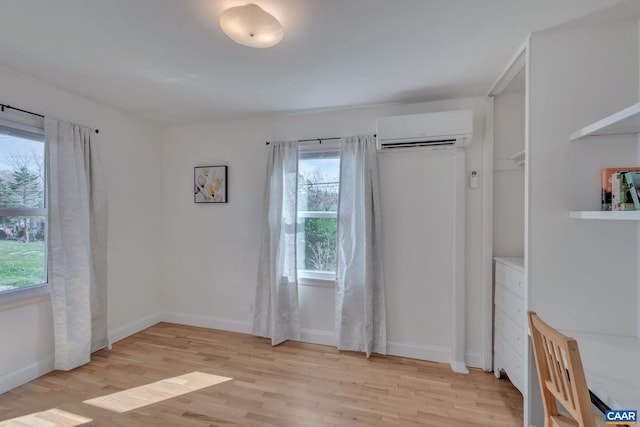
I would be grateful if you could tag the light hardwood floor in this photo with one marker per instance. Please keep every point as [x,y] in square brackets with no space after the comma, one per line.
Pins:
[173,375]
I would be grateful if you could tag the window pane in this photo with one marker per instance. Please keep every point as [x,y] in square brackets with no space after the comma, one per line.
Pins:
[318,239]
[318,187]
[21,172]
[22,252]
[22,238]
[318,184]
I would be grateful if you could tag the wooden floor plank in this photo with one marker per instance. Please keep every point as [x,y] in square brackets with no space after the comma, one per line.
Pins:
[173,375]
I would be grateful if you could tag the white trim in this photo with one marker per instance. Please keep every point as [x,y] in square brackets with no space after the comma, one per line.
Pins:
[327,146]
[430,353]
[310,281]
[458,313]
[13,297]
[22,376]
[25,122]
[427,353]
[317,214]
[520,61]
[134,327]
[474,360]
[532,400]
[312,336]
[515,65]
[211,322]
[487,238]
[23,212]
[316,277]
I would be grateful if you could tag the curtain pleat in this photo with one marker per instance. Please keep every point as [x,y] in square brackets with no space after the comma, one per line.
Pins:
[360,308]
[276,306]
[77,243]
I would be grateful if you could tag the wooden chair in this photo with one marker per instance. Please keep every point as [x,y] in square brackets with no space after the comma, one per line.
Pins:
[561,376]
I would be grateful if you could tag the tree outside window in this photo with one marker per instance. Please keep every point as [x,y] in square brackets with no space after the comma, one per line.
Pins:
[22,212]
[318,195]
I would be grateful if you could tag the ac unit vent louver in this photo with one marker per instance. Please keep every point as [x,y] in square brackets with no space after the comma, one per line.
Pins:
[446,128]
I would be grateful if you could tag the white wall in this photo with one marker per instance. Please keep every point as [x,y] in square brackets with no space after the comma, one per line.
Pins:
[578,75]
[582,274]
[209,267]
[131,154]
[508,178]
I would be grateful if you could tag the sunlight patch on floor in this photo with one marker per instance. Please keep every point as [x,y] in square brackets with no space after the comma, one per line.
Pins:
[120,402]
[134,398]
[51,418]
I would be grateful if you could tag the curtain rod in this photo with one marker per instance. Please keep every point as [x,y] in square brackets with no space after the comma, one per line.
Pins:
[9,107]
[318,139]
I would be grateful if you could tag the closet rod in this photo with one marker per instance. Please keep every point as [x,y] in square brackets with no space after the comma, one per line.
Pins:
[9,107]
[317,139]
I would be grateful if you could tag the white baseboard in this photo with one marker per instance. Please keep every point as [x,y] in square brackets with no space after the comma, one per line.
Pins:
[26,374]
[135,327]
[35,370]
[474,360]
[431,353]
[318,337]
[306,335]
[207,322]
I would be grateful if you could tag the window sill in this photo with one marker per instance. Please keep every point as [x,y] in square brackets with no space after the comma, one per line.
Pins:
[23,295]
[316,278]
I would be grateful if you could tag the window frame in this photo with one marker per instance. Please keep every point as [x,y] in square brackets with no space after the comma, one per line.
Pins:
[309,151]
[27,127]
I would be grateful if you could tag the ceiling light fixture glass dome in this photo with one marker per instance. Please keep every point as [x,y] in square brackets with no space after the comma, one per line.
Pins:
[251,26]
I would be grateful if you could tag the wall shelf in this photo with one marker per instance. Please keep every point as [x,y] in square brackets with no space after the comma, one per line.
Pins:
[625,121]
[607,215]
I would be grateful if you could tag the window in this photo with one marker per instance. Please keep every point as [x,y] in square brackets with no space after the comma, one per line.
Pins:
[23,216]
[318,191]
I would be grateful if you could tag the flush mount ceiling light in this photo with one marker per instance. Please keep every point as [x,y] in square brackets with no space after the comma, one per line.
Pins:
[251,26]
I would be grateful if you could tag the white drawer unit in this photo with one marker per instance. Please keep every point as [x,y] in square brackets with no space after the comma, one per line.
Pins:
[509,320]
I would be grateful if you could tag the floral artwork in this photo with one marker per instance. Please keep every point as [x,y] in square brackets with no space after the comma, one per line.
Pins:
[210,184]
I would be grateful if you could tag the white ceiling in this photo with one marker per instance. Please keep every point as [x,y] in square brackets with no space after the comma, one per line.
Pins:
[168,60]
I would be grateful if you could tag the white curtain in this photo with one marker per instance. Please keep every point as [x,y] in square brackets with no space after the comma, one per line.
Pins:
[77,238]
[360,310]
[276,307]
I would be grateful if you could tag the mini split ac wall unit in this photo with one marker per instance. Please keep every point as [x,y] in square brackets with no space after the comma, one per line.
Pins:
[445,128]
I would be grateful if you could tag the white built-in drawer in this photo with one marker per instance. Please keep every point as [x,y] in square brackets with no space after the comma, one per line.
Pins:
[509,319]
[510,277]
[514,366]
[514,308]
[514,282]
[510,332]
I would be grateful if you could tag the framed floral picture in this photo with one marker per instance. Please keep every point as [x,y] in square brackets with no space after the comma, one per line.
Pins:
[210,184]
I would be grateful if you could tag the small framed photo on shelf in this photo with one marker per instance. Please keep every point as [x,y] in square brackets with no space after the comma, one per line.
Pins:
[210,184]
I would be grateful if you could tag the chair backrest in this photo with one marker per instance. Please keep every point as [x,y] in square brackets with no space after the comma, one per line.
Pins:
[561,376]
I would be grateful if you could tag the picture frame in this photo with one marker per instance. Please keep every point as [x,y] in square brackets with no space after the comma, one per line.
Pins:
[210,184]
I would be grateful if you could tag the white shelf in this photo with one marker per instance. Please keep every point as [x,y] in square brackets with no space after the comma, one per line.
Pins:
[518,158]
[608,215]
[626,121]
